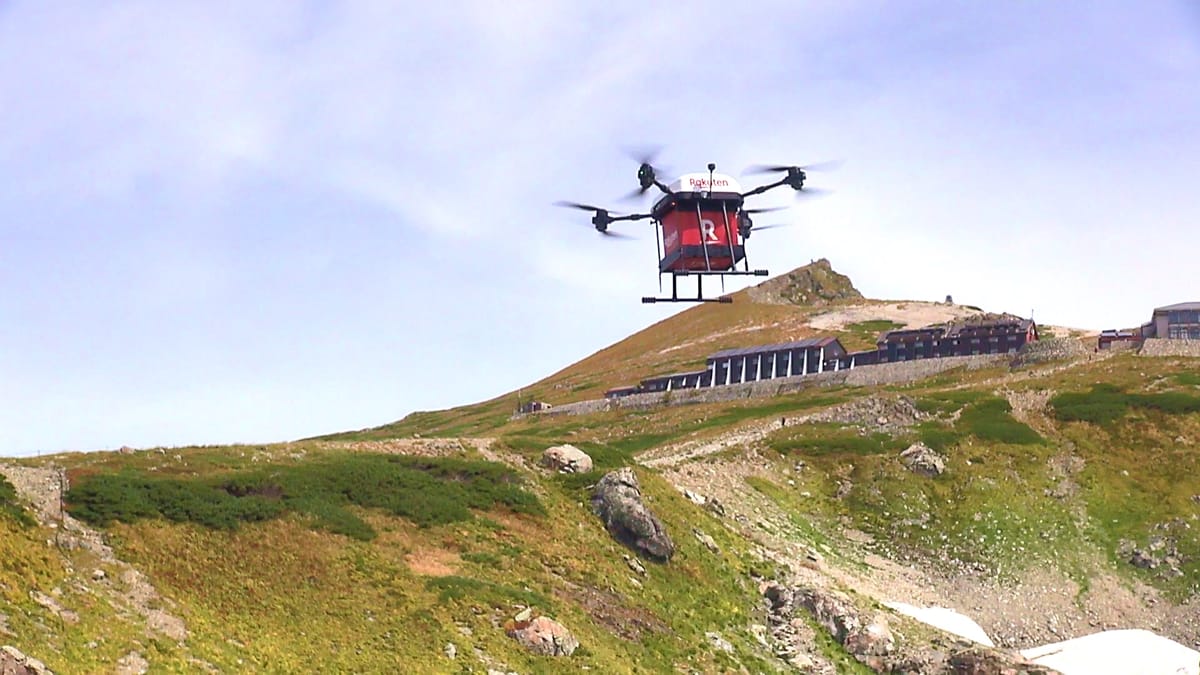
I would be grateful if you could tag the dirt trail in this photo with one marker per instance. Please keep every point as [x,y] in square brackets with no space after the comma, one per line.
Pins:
[433,447]
[911,314]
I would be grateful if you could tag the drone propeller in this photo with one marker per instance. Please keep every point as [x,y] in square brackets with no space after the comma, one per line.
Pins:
[772,226]
[647,173]
[601,219]
[782,168]
[813,192]
[615,235]
[767,209]
[581,207]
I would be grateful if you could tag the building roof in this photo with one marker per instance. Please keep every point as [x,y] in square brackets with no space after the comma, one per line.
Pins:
[690,373]
[783,346]
[1182,305]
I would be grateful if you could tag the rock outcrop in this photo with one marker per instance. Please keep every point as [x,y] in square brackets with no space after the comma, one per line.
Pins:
[618,501]
[542,635]
[923,461]
[887,414]
[815,284]
[868,638]
[14,662]
[566,459]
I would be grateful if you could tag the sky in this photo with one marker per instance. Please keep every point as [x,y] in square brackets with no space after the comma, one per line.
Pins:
[249,222]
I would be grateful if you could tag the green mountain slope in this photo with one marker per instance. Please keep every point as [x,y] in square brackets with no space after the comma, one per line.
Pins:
[1066,503]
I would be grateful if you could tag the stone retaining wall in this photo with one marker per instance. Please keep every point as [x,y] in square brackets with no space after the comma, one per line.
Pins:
[1165,347]
[863,376]
[1051,349]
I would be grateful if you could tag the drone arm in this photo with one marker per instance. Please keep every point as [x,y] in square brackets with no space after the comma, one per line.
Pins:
[763,188]
[631,216]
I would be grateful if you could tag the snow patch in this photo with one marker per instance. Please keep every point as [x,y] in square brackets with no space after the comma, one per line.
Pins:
[945,619]
[1118,652]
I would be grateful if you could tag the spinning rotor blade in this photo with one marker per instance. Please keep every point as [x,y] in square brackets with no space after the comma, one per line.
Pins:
[812,193]
[581,207]
[645,154]
[772,226]
[647,173]
[782,168]
[767,209]
[633,196]
[617,235]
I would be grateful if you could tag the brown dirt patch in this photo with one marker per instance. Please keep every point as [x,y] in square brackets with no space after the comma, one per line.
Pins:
[608,610]
[432,562]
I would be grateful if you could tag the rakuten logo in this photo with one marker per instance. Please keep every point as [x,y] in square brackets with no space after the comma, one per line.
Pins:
[703,183]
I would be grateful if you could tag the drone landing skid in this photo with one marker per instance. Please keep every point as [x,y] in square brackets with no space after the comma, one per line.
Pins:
[700,274]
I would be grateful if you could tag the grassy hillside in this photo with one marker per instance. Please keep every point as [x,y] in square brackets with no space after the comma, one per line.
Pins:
[679,343]
[372,550]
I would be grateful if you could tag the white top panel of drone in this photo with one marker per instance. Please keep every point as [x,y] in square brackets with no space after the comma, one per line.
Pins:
[699,182]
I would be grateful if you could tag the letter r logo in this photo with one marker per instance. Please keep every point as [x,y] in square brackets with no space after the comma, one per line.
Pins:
[709,228]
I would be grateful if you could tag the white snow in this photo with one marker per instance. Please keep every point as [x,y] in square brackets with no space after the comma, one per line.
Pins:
[946,619]
[1118,652]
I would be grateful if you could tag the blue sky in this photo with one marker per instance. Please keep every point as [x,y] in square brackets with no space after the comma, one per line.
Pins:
[247,222]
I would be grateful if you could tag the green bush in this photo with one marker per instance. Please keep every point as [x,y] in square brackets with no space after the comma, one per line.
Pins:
[11,507]
[938,436]
[1105,404]
[1188,379]
[423,490]
[991,420]
[841,444]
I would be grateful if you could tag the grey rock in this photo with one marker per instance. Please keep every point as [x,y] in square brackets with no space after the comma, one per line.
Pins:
[706,540]
[567,459]
[618,501]
[923,461]
[1143,560]
[14,662]
[543,635]
[719,642]
[132,663]
[715,507]
[451,651]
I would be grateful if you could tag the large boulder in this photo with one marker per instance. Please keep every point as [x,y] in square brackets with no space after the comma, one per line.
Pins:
[618,501]
[567,459]
[14,662]
[922,460]
[543,635]
[863,637]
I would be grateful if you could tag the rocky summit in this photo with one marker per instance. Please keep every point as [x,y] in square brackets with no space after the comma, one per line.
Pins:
[1035,512]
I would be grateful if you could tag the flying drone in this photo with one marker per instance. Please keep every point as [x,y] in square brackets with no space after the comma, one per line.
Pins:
[700,222]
